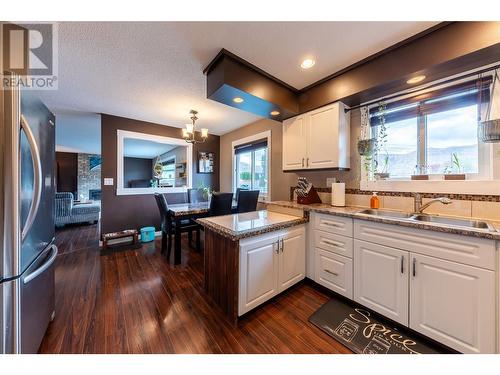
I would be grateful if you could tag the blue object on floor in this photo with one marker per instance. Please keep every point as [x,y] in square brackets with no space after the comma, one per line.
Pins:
[147,234]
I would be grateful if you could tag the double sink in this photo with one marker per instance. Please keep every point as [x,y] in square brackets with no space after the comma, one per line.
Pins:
[419,217]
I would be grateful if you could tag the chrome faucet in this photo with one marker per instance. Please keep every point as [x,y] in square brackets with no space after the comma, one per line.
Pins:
[418,207]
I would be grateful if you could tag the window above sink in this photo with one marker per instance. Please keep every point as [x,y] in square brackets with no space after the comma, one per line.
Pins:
[429,133]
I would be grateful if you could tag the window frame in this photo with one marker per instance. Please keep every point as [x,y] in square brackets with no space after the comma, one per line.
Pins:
[487,181]
[483,173]
[255,137]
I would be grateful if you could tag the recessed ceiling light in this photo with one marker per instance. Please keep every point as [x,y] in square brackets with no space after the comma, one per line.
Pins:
[238,100]
[275,113]
[307,64]
[416,79]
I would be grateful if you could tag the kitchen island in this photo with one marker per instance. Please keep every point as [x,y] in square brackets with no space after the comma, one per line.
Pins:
[251,257]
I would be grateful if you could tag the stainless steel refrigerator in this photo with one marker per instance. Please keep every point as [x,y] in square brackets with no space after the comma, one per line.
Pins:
[27,153]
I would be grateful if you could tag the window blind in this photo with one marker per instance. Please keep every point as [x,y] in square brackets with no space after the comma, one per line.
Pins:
[445,99]
[251,146]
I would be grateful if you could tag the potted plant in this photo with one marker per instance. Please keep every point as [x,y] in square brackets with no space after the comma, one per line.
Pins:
[384,174]
[207,191]
[420,173]
[456,165]
[367,146]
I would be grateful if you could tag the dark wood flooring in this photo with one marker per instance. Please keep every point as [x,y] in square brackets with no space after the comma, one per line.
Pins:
[135,301]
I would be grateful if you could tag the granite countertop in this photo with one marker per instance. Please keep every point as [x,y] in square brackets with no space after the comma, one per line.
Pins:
[354,212]
[238,226]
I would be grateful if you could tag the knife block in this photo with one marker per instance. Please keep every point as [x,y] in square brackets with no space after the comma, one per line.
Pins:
[312,197]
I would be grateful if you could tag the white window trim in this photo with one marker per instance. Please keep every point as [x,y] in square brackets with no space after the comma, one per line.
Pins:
[120,138]
[255,137]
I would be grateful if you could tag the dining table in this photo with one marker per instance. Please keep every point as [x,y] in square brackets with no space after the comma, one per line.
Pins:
[183,211]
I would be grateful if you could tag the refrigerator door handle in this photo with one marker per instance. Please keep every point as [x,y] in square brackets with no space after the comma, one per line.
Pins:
[37,169]
[43,267]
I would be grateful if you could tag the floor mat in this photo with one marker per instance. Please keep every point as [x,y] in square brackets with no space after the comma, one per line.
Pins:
[365,332]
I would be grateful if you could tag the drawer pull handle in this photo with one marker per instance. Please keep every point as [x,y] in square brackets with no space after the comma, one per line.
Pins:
[332,224]
[333,243]
[414,267]
[403,264]
[332,273]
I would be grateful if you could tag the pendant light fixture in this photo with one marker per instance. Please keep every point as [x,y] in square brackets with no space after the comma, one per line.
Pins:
[189,133]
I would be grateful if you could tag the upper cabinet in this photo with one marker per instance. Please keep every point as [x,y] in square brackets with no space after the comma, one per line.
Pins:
[318,139]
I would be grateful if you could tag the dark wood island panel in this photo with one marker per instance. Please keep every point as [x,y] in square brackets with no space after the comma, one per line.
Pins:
[221,272]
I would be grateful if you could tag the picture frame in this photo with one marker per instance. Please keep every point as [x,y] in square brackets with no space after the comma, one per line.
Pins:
[206,162]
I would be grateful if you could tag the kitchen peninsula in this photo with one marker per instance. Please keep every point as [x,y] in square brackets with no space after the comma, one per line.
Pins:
[251,257]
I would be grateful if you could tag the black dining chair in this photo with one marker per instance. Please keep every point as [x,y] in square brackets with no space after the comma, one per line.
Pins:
[196,196]
[237,194]
[247,201]
[168,228]
[221,204]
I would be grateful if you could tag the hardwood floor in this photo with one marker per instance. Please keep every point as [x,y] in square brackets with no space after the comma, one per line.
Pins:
[134,301]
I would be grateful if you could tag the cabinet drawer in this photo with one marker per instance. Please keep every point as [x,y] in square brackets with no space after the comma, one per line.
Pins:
[334,272]
[479,252]
[333,224]
[335,243]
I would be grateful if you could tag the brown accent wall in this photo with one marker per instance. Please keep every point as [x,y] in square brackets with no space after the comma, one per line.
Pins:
[135,211]
[281,181]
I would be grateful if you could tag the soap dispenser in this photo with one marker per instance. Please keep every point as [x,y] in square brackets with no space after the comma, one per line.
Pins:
[374,201]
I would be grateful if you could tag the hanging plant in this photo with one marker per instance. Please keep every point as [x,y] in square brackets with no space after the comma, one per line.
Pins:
[366,144]
[382,129]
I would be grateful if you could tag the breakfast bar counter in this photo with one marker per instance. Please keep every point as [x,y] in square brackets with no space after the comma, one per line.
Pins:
[225,261]
[238,226]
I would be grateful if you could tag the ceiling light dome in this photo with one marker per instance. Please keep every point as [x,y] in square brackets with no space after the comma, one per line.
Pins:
[307,63]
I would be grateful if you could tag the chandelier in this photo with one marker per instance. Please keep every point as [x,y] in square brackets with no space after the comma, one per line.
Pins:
[189,133]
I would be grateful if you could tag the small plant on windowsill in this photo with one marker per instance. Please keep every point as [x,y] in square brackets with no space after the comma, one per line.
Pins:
[455,165]
[384,173]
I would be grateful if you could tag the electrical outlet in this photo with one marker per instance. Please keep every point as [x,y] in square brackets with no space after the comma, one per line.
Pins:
[108,181]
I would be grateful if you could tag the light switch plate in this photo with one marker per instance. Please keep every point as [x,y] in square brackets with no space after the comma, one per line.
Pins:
[108,181]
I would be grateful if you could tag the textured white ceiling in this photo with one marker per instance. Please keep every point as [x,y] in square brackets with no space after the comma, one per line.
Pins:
[152,71]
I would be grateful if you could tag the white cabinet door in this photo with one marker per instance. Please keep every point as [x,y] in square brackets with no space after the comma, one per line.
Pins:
[381,279]
[322,137]
[292,263]
[258,272]
[294,143]
[453,304]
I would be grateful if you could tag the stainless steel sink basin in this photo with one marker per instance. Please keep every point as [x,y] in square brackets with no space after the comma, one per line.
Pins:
[477,224]
[456,222]
[386,213]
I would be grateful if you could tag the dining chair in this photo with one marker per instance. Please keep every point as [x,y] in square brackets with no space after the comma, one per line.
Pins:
[168,228]
[247,201]
[237,194]
[196,196]
[221,204]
